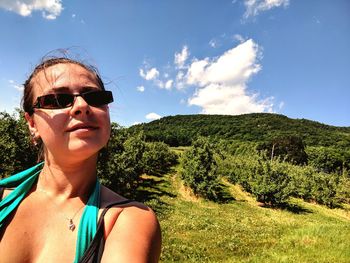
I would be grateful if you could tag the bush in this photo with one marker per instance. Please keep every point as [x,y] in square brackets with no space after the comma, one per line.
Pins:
[199,169]
[158,158]
[329,159]
[268,181]
[16,150]
[288,148]
[120,163]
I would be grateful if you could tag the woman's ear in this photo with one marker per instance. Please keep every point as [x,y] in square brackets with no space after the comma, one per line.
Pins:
[31,125]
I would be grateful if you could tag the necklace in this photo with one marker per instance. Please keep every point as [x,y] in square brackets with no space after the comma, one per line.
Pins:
[71,225]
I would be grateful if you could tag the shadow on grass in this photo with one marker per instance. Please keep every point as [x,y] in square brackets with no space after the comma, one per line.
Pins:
[223,194]
[152,191]
[293,208]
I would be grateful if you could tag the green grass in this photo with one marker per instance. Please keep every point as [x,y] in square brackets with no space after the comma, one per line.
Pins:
[195,230]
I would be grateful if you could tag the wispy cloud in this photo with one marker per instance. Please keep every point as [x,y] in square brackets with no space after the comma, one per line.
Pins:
[50,9]
[16,86]
[180,58]
[140,88]
[239,38]
[151,74]
[153,116]
[154,76]
[254,7]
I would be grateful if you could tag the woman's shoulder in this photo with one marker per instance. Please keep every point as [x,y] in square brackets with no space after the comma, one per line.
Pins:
[127,207]
[131,227]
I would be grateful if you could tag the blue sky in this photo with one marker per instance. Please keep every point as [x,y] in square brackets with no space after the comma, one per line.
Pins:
[165,58]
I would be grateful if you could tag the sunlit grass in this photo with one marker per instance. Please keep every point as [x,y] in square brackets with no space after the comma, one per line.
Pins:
[195,230]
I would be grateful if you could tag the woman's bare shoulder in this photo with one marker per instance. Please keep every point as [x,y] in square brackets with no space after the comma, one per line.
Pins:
[134,233]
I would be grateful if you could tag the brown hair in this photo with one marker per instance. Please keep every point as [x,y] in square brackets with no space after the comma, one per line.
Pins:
[27,100]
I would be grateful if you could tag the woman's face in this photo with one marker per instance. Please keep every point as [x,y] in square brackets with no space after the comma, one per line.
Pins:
[78,131]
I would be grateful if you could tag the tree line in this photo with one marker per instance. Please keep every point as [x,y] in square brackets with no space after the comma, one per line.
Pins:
[272,169]
[182,130]
[315,174]
[120,166]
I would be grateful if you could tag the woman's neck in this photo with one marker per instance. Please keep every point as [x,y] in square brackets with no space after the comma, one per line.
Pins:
[68,179]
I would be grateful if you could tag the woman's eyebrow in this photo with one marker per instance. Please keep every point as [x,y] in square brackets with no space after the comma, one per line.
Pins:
[90,88]
[60,89]
[64,89]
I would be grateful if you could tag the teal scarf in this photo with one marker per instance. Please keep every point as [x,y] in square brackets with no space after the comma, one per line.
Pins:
[24,181]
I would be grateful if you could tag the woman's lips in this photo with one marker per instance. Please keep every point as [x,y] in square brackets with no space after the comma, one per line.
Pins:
[81,127]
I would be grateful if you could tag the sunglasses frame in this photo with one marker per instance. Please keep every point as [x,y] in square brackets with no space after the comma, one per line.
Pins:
[39,101]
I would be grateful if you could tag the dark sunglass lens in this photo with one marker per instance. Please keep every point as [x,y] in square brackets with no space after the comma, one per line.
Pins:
[98,98]
[48,102]
[65,100]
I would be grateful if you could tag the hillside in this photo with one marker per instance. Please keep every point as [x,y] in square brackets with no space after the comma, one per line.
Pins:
[241,230]
[182,129]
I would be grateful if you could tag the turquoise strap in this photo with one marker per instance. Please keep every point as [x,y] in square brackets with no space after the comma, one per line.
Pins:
[24,181]
[88,223]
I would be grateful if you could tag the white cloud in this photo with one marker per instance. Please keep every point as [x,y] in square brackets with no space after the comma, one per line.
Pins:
[232,100]
[50,9]
[169,84]
[235,66]
[254,7]
[222,82]
[151,74]
[239,38]
[213,43]
[281,105]
[18,87]
[153,116]
[180,58]
[140,88]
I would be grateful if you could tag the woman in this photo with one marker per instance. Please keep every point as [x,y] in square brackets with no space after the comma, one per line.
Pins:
[51,216]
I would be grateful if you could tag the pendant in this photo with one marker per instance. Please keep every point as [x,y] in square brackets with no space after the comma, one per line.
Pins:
[71,225]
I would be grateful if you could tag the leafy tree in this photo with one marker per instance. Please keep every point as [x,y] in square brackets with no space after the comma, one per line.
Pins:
[158,158]
[16,150]
[329,159]
[199,169]
[289,148]
[120,163]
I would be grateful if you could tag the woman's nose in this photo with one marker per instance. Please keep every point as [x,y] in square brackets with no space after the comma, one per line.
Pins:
[80,106]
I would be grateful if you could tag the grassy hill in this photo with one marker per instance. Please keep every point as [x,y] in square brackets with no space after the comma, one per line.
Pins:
[182,129]
[241,230]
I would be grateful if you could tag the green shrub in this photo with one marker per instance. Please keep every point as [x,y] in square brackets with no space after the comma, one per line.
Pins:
[199,169]
[17,153]
[329,159]
[158,158]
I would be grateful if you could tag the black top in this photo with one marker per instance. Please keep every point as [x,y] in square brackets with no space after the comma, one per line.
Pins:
[2,189]
[94,252]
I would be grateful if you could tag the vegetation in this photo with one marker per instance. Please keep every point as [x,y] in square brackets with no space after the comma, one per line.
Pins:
[181,130]
[195,230]
[199,169]
[121,163]
[285,182]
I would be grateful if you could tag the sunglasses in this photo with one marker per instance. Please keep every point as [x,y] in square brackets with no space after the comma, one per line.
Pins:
[65,100]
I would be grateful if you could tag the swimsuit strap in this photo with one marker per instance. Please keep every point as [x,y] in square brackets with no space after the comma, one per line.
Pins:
[2,189]
[95,249]
[88,223]
[23,182]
